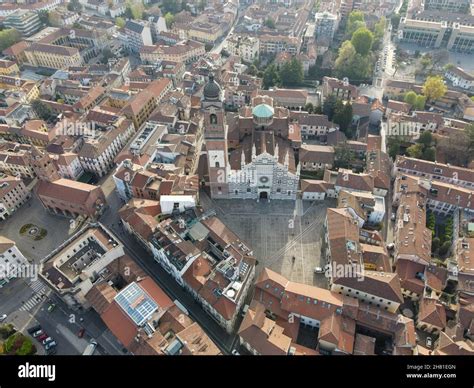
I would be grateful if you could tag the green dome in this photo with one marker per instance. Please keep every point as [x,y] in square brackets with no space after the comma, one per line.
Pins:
[263,111]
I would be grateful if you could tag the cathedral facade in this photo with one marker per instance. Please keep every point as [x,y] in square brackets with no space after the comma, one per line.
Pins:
[250,154]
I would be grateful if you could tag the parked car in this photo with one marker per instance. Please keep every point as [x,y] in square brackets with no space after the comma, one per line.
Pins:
[393,216]
[319,270]
[3,317]
[51,351]
[42,337]
[38,333]
[235,352]
[50,345]
[81,332]
[390,246]
[47,340]
[51,307]
[34,329]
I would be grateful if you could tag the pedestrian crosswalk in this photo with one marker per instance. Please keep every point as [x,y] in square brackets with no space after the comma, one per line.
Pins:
[39,288]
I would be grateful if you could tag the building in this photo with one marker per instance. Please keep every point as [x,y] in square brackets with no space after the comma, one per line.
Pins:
[144,103]
[13,264]
[142,317]
[13,194]
[341,89]
[206,258]
[186,51]
[72,268]
[138,35]
[422,33]
[460,78]
[245,47]
[70,198]
[8,68]
[53,56]
[25,22]
[274,44]
[457,6]
[461,39]
[316,157]
[264,166]
[99,151]
[326,25]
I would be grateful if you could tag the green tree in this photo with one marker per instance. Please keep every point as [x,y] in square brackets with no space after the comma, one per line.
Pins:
[394,145]
[425,139]
[134,10]
[43,111]
[169,18]
[345,58]
[8,38]
[444,249]
[120,22]
[74,6]
[434,88]
[354,21]
[343,156]
[343,117]
[270,23]
[429,153]
[420,102]
[415,151]
[309,107]
[395,20]
[270,76]
[106,55]
[329,106]
[291,73]
[410,98]
[435,243]
[362,40]
[171,6]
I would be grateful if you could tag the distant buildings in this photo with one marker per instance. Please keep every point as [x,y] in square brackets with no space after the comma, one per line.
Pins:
[13,194]
[246,47]
[13,264]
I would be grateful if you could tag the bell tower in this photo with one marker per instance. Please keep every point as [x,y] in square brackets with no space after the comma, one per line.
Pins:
[215,137]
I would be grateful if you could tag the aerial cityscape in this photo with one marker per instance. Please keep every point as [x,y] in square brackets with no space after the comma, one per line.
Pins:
[236,177]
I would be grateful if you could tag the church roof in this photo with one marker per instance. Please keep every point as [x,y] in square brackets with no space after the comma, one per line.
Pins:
[263,111]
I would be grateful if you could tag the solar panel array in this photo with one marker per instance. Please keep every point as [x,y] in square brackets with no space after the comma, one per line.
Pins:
[136,303]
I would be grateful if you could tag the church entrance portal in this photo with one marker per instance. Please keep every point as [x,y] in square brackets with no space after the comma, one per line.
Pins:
[263,195]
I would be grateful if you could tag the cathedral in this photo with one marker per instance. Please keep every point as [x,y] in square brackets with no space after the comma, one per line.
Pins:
[250,154]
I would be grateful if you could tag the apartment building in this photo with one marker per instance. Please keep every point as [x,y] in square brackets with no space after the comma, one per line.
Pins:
[15,159]
[8,68]
[138,34]
[326,25]
[142,317]
[316,157]
[314,125]
[186,51]
[11,261]
[68,165]
[274,44]
[13,194]
[208,260]
[341,89]
[98,152]
[144,103]
[25,22]
[245,47]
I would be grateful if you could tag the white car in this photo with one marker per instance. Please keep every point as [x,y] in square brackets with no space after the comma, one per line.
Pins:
[3,317]
[318,270]
[235,352]
[429,342]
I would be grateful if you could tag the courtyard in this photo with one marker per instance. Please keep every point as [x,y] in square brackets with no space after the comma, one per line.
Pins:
[284,235]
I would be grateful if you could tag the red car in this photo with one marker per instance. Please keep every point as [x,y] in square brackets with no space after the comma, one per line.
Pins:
[42,337]
[80,334]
